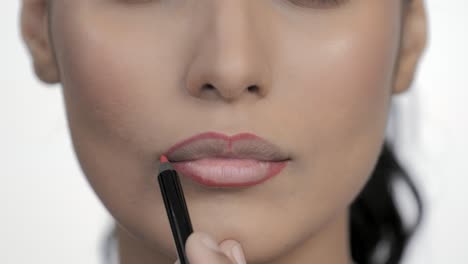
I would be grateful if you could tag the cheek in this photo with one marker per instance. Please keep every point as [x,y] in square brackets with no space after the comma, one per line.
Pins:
[102,93]
[339,83]
[119,82]
[340,74]
[114,113]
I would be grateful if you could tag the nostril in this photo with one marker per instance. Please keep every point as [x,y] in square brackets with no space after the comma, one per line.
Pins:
[208,87]
[208,90]
[253,88]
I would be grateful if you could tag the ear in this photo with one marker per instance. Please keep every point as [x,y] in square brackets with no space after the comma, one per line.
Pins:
[413,42]
[35,33]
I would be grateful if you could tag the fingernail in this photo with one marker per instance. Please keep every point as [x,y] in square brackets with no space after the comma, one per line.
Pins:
[209,242]
[238,254]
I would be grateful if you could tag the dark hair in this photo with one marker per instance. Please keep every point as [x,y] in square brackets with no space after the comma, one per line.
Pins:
[378,232]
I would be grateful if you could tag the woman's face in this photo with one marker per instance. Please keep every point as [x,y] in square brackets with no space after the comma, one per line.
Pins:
[134,75]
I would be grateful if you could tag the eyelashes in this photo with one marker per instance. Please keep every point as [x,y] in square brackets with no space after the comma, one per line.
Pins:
[136,1]
[300,3]
[318,3]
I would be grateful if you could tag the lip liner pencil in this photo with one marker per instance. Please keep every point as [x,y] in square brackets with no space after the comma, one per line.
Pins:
[176,207]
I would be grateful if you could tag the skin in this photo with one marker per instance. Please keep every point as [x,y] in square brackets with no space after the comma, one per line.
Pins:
[133,76]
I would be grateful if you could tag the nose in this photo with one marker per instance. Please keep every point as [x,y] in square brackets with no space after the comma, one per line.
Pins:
[229,63]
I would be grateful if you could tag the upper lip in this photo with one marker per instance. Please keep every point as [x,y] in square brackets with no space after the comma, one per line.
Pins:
[217,145]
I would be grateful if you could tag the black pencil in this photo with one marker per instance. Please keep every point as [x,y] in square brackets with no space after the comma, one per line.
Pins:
[176,207]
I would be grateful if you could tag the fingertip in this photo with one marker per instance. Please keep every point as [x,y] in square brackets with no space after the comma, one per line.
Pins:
[233,250]
[201,248]
[238,254]
[227,245]
[202,238]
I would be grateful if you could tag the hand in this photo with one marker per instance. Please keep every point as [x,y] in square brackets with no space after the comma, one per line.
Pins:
[201,248]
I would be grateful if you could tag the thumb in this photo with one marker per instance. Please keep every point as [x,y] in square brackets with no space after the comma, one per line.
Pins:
[201,248]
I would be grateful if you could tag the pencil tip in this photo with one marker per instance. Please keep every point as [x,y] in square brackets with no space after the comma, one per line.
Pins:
[163,159]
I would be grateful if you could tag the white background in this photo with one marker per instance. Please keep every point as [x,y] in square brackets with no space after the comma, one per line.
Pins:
[49,214]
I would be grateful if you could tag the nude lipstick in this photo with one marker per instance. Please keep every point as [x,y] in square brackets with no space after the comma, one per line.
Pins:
[217,160]
[176,208]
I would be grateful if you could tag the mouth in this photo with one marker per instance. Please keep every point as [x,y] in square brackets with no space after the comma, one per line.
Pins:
[217,160]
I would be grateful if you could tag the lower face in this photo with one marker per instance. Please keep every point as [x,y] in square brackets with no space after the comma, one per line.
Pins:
[129,69]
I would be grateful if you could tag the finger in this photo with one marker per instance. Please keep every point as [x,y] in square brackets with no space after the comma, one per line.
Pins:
[233,250]
[203,249]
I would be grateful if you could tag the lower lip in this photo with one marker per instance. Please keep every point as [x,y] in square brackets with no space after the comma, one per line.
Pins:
[219,172]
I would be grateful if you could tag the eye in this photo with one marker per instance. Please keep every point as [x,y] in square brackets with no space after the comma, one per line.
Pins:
[318,3]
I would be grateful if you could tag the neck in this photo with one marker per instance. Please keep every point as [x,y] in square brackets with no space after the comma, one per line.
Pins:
[330,245]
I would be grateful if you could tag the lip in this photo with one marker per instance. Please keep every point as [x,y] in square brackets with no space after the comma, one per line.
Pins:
[217,160]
